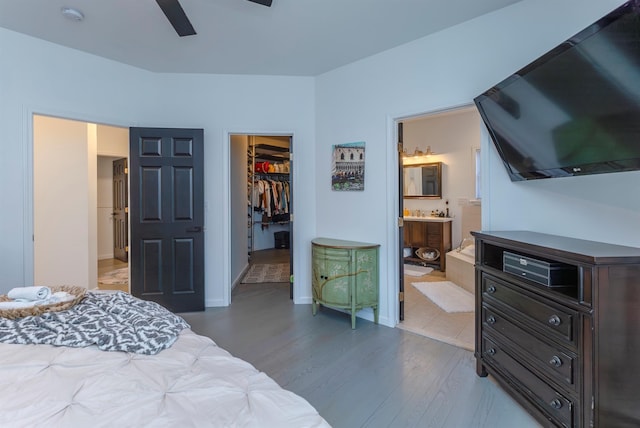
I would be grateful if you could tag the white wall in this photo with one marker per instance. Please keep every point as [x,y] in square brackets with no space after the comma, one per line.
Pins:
[64,190]
[113,141]
[360,101]
[599,207]
[37,77]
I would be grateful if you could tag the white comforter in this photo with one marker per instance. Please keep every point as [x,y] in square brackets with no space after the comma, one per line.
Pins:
[194,383]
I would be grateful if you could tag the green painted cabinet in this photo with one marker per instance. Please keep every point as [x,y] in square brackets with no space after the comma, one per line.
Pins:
[345,275]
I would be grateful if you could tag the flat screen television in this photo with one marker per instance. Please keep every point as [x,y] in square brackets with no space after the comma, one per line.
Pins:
[576,109]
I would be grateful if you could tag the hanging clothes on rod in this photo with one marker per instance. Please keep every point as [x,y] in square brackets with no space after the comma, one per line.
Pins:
[271,198]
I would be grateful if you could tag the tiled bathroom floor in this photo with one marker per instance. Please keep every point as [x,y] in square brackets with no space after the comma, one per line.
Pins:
[422,316]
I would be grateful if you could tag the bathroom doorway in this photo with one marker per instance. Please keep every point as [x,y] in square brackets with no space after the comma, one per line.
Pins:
[451,138]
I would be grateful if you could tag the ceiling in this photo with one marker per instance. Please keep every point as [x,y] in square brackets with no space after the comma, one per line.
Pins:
[293,37]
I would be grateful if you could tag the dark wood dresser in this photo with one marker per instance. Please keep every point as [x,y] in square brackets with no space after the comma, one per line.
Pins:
[558,326]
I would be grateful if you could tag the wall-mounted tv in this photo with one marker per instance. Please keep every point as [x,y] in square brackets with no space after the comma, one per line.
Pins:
[576,109]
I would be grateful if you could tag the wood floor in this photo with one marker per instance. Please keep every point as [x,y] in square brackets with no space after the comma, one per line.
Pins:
[373,376]
[108,265]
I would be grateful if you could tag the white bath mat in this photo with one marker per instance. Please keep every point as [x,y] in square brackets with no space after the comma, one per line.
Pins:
[413,270]
[447,295]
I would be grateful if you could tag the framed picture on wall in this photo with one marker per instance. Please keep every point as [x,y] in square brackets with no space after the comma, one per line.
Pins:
[347,166]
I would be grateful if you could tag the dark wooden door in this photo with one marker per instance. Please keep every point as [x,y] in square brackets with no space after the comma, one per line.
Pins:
[401,220]
[120,210]
[167,216]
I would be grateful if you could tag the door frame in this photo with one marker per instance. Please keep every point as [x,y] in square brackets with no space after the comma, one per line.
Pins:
[394,163]
[28,249]
[226,215]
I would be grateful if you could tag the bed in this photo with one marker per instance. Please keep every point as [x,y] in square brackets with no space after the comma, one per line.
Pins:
[86,366]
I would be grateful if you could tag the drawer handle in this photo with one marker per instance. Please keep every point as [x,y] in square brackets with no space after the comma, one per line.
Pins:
[555,320]
[491,351]
[556,404]
[555,361]
[491,289]
[491,319]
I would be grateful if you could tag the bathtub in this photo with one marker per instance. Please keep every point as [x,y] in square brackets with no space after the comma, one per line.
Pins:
[460,267]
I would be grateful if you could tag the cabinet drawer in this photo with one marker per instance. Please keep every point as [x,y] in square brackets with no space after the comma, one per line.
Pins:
[333,254]
[434,241]
[434,229]
[559,322]
[556,363]
[545,397]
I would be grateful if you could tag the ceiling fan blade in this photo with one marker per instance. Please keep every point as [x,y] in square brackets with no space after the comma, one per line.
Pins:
[263,2]
[176,16]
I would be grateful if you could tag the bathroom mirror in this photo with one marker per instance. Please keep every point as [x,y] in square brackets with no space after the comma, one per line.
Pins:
[423,181]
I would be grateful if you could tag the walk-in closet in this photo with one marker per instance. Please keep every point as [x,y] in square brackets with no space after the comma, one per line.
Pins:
[267,209]
[268,187]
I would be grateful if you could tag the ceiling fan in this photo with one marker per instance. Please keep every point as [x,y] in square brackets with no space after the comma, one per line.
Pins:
[176,16]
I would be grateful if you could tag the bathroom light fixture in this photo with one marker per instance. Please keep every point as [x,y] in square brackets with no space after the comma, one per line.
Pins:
[71,13]
[417,152]
[406,154]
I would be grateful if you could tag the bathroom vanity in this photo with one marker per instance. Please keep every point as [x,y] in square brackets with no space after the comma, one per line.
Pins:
[428,232]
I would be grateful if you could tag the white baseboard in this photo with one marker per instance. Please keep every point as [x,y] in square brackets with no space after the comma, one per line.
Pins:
[214,303]
[239,277]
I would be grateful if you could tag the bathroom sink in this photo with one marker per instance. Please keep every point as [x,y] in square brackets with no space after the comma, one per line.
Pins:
[427,218]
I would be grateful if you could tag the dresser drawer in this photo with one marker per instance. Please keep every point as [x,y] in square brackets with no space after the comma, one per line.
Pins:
[556,363]
[551,319]
[544,396]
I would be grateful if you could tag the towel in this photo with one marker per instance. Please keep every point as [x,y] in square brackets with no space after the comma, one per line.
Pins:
[59,297]
[29,294]
[20,304]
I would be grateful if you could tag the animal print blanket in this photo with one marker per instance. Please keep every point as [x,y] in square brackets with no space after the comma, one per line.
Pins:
[111,321]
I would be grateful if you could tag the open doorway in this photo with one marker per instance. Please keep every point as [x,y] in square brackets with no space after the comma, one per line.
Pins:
[436,281]
[113,223]
[72,199]
[261,209]
[65,208]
